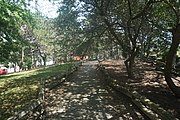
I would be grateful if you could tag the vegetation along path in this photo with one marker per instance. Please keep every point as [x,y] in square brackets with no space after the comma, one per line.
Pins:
[84,96]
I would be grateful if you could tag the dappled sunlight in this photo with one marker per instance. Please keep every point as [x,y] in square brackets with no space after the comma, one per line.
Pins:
[13,100]
[19,90]
[148,82]
[176,80]
[84,96]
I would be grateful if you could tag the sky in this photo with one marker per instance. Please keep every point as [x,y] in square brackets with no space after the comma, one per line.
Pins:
[47,8]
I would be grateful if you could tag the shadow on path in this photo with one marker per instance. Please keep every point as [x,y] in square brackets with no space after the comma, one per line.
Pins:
[84,97]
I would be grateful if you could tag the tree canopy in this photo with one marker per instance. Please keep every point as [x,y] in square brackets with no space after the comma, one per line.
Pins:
[12,17]
[126,29]
[140,28]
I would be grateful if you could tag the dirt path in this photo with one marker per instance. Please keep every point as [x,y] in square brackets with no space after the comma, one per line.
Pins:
[84,97]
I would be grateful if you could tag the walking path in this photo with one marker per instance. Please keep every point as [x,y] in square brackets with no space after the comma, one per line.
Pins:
[84,97]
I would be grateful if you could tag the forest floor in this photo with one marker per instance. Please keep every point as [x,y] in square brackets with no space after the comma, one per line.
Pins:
[148,82]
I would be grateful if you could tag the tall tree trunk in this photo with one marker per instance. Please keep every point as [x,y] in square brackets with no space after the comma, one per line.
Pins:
[129,66]
[169,61]
[44,60]
[129,62]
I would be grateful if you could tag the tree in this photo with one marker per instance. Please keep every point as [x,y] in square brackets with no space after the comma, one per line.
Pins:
[12,17]
[174,6]
[44,34]
[165,16]
[117,16]
[134,25]
[69,28]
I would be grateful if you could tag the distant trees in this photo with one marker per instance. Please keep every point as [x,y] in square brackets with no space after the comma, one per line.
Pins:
[25,37]
[140,28]
[98,28]
[44,34]
[12,17]
[42,39]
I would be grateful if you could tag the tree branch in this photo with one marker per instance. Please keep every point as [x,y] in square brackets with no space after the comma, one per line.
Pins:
[174,10]
[146,8]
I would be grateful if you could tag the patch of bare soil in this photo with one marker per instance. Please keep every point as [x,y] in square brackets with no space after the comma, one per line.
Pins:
[148,82]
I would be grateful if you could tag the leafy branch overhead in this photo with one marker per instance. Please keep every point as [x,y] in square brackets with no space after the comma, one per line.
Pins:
[12,17]
[138,28]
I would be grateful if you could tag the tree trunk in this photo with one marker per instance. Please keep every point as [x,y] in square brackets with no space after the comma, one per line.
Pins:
[129,66]
[169,61]
[44,60]
[129,62]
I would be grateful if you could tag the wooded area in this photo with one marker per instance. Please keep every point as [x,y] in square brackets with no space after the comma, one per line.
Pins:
[100,29]
[147,30]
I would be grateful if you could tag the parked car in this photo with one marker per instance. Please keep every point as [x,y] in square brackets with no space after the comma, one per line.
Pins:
[3,70]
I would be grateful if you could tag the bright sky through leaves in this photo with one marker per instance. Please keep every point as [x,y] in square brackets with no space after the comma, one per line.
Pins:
[47,8]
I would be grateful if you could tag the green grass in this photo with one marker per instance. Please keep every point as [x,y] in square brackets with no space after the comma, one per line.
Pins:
[21,89]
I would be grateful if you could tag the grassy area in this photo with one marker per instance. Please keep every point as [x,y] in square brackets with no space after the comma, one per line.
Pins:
[20,89]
